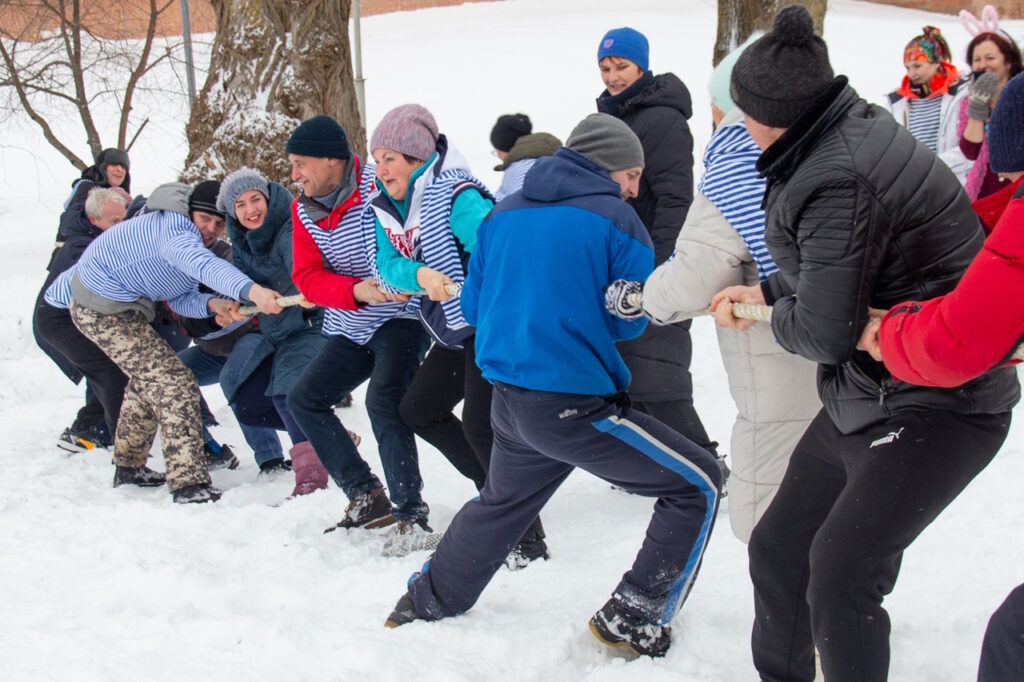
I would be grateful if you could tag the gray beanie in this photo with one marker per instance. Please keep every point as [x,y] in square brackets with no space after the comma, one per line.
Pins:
[408,129]
[778,77]
[606,141]
[238,183]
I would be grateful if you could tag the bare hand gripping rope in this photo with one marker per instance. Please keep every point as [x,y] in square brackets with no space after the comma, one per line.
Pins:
[284,302]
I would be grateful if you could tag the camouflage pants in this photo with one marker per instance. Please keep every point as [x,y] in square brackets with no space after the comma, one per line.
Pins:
[161,392]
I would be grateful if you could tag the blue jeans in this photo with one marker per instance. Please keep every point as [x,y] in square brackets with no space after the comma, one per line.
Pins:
[389,360]
[264,442]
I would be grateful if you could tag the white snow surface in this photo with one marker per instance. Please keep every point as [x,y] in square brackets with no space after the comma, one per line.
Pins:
[99,583]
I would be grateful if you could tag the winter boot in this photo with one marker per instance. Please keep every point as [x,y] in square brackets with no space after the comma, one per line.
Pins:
[371,509]
[143,476]
[219,456]
[310,474]
[82,440]
[272,467]
[635,637]
[356,439]
[725,474]
[530,548]
[196,494]
[408,536]
[403,614]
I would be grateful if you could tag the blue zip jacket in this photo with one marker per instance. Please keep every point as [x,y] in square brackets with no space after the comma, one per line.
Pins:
[535,287]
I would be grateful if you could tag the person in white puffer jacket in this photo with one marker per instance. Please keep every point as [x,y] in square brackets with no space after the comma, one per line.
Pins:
[722,243]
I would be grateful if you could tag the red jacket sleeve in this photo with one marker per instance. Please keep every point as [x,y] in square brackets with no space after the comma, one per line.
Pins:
[952,339]
[317,284]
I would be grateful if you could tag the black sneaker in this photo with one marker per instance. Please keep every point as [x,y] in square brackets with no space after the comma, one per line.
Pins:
[403,614]
[371,509]
[273,467]
[143,476]
[634,636]
[219,456]
[80,441]
[525,553]
[196,494]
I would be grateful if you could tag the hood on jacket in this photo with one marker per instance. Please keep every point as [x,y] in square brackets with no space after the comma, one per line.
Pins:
[666,91]
[533,146]
[171,196]
[75,223]
[567,175]
[279,216]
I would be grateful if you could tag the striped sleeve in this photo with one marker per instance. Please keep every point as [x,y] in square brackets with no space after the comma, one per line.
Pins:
[184,251]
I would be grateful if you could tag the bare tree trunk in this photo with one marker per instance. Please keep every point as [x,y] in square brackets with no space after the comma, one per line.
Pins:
[739,19]
[274,63]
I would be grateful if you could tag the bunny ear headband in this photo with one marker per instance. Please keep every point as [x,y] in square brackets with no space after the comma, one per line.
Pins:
[989,22]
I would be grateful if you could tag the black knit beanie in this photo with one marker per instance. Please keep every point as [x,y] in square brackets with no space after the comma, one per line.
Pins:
[204,198]
[321,137]
[1005,134]
[508,129]
[778,77]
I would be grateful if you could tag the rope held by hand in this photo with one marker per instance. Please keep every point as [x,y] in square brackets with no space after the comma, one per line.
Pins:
[743,311]
[284,302]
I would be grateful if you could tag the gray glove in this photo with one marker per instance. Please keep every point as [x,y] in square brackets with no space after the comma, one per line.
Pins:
[982,91]
[623,299]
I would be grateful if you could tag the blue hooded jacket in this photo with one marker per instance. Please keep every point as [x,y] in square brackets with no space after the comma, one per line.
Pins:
[536,280]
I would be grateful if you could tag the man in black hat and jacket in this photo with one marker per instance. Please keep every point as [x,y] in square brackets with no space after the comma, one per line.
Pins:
[858,214]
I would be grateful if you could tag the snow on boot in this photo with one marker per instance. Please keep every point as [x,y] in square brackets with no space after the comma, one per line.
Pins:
[219,456]
[274,467]
[629,634]
[403,613]
[143,477]
[371,509]
[310,474]
[80,441]
[525,553]
[196,494]
[408,536]
[725,474]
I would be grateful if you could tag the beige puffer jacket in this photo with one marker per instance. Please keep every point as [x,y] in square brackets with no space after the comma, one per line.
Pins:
[774,390]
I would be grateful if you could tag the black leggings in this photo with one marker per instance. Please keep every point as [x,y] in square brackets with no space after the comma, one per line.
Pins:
[446,377]
[828,549]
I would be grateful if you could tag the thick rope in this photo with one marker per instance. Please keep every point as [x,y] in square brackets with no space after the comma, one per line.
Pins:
[743,311]
[284,302]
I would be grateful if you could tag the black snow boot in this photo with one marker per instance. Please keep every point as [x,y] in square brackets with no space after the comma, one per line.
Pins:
[196,494]
[634,636]
[404,613]
[143,476]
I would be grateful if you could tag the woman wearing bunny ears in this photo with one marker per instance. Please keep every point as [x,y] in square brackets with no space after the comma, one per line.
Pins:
[994,60]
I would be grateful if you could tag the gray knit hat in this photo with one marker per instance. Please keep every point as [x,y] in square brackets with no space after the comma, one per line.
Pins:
[778,77]
[238,183]
[606,141]
[408,129]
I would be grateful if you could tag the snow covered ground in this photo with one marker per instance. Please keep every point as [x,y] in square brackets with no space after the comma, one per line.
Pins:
[104,584]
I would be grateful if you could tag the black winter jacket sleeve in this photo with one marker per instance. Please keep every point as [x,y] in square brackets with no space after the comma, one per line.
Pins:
[668,174]
[843,237]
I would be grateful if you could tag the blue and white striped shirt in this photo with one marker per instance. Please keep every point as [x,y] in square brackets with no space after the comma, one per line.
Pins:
[512,181]
[157,256]
[732,184]
[923,120]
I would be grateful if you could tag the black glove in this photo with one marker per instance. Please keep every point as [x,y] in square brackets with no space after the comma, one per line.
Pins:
[981,94]
[624,299]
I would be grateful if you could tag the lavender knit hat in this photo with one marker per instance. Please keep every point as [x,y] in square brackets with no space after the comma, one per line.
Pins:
[238,183]
[409,129]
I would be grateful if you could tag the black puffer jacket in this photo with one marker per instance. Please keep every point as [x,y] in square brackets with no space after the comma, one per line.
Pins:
[858,214]
[656,108]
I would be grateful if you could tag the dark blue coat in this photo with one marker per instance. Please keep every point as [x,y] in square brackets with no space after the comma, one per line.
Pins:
[294,337]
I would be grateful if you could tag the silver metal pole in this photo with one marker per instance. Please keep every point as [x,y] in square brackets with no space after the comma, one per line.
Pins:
[358,57]
[186,34]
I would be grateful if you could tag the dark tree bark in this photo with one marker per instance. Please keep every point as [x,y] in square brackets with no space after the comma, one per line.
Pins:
[739,19]
[274,63]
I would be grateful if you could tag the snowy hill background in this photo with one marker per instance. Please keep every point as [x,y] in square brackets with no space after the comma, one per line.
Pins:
[104,584]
